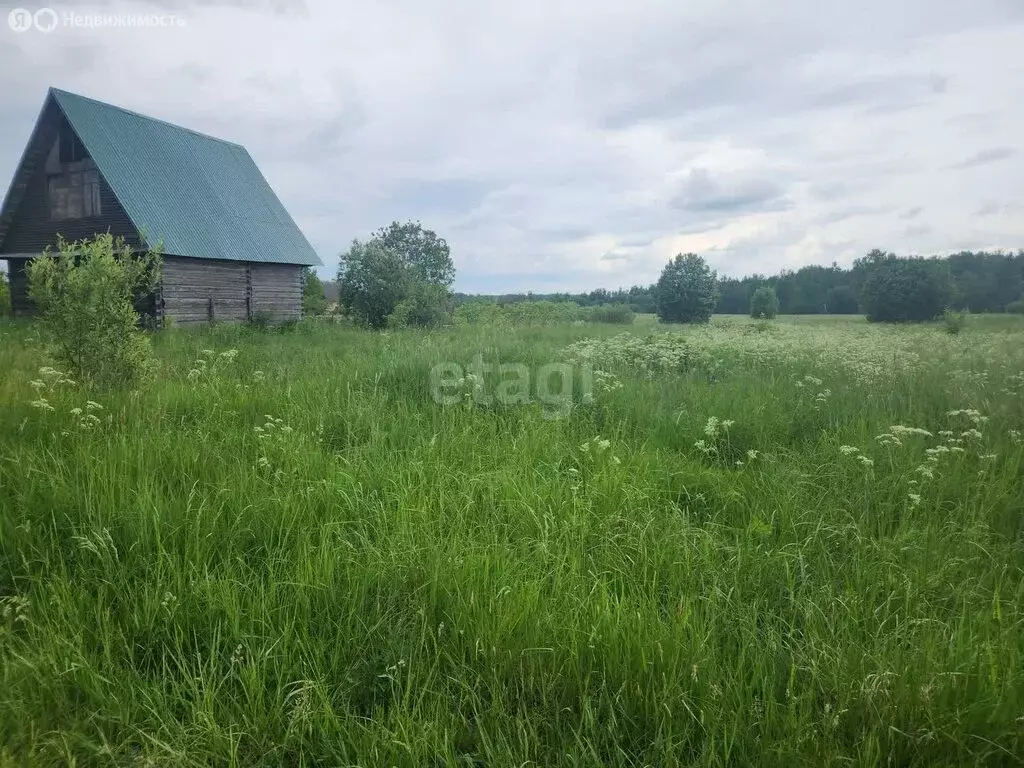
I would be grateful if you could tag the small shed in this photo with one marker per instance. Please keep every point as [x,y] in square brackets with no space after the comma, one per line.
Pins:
[231,250]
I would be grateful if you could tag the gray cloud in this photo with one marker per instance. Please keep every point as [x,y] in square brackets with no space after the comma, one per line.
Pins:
[700,192]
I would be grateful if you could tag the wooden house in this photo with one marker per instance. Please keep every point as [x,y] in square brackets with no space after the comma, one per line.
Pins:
[231,251]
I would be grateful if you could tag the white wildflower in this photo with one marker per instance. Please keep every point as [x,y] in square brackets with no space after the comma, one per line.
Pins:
[903,431]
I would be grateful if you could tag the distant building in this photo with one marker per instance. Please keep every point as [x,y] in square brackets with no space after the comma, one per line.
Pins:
[231,251]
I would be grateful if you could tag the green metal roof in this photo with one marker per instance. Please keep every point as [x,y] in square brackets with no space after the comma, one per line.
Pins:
[197,195]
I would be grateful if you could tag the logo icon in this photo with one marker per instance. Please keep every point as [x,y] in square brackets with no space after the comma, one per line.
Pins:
[45,19]
[20,20]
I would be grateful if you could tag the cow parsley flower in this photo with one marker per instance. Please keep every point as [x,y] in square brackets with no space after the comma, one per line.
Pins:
[903,431]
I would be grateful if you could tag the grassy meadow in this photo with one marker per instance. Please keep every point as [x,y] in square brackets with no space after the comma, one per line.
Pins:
[793,543]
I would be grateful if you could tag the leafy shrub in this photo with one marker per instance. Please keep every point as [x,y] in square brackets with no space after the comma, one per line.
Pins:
[314,302]
[5,296]
[686,290]
[764,303]
[618,314]
[427,305]
[520,313]
[953,322]
[86,295]
[478,312]
[903,290]
[261,320]
[1016,307]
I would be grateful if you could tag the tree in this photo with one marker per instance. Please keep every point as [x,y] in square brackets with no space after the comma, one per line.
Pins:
[426,255]
[841,300]
[393,267]
[903,290]
[686,291]
[764,303]
[86,294]
[373,280]
[313,300]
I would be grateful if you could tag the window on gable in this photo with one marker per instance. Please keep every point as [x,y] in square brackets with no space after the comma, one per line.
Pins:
[74,195]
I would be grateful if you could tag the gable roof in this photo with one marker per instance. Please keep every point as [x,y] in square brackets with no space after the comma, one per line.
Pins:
[199,196]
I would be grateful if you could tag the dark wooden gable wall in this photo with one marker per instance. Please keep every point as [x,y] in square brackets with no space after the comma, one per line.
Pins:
[30,228]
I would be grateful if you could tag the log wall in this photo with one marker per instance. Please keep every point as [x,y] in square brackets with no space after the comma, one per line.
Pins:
[201,290]
[276,290]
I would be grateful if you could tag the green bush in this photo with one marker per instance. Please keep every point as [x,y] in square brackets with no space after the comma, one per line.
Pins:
[5,296]
[764,304]
[902,290]
[86,295]
[261,320]
[520,314]
[686,290]
[1016,307]
[953,322]
[426,305]
[618,314]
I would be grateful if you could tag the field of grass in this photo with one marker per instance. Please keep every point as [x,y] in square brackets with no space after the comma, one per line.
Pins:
[796,543]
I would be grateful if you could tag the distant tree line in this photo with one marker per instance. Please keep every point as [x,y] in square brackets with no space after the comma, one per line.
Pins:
[639,298]
[971,281]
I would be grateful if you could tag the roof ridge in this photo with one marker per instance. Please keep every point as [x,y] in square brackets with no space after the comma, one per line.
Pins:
[133,113]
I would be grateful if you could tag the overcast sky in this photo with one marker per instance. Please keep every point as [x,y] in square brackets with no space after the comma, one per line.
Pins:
[580,144]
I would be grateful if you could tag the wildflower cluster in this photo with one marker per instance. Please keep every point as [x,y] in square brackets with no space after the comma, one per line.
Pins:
[751,456]
[598,448]
[656,353]
[49,382]
[954,442]
[1015,384]
[168,602]
[209,364]
[86,417]
[274,435]
[605,381]
[861,355]
[717,431]
[898,433]
[854,451]
[471,387]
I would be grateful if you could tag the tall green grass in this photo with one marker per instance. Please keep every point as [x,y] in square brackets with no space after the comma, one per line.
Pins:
[294,556]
